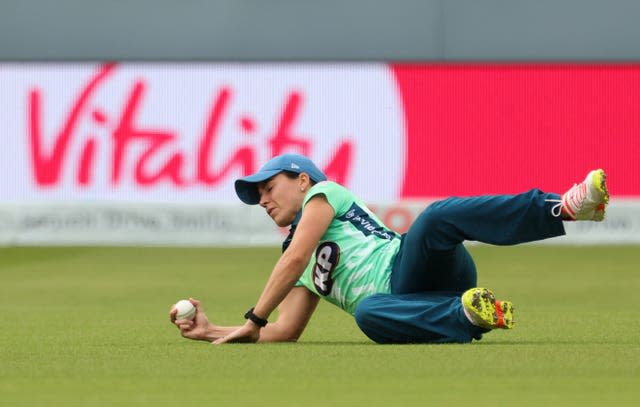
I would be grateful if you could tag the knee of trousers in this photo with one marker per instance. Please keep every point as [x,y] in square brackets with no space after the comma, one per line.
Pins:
[368,319]
[433,216]
[364,315]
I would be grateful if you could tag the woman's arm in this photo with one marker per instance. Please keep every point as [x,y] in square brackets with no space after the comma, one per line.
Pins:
[314,222]
[294,313]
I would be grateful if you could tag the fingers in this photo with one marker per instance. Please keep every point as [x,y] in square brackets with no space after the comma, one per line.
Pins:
[222,340]
[196,304]
[185,326]
[232,339]
[234,336]
[249,332]
[188,323]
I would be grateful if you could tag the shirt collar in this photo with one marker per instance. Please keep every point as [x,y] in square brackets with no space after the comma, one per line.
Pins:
[296,220]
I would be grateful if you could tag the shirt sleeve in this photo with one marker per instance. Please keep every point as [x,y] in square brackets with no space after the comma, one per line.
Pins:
[338,197]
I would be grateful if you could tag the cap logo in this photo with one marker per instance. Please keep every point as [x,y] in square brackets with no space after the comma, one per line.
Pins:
[295,166]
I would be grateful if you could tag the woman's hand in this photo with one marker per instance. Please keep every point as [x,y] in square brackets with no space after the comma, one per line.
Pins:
[198,329]
[247,333]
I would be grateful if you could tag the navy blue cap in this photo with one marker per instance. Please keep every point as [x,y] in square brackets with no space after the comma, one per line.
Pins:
[247,187]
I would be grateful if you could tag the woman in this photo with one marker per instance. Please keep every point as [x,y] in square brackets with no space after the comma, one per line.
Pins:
[414,288]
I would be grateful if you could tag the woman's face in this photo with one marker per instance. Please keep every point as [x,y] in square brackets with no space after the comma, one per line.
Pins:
[282,197]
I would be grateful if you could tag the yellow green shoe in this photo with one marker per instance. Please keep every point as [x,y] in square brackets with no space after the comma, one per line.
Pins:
[587,200]
[485,311]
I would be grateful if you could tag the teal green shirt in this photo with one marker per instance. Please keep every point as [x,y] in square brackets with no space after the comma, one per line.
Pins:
[354,256]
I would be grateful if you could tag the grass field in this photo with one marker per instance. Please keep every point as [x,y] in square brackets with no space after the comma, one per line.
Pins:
[89,327]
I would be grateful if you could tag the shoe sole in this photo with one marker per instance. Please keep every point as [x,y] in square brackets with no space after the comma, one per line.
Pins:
[599,180]
[486,310]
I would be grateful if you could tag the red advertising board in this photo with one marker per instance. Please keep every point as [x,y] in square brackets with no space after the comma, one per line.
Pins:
[501,128]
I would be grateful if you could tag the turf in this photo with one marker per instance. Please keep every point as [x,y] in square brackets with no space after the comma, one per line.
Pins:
[89,327]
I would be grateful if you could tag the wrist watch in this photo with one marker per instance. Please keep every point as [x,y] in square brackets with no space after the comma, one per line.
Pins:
[261,322]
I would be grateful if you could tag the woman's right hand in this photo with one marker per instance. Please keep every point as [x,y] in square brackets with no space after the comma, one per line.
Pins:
[198,328]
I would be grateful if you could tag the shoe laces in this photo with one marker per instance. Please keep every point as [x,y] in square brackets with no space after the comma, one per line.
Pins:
[576,195]
[574,199]
[556,210]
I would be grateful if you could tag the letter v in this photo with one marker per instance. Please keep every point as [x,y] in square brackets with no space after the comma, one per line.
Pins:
[46,168]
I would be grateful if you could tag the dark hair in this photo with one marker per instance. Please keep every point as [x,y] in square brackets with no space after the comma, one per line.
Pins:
[294,175]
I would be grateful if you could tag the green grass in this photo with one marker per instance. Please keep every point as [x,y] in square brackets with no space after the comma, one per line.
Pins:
[89,327]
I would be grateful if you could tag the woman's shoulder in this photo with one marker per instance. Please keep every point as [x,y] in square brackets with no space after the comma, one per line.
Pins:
[339,197]
[329,186]
[331,190]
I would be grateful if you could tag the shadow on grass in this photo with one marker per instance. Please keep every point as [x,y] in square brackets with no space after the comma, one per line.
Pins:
[478,343]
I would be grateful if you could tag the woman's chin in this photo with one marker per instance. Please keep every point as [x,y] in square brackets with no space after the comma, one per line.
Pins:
[282,222]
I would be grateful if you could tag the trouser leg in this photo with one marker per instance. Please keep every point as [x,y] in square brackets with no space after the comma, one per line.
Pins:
[494,219]
[432,256]
[429,317]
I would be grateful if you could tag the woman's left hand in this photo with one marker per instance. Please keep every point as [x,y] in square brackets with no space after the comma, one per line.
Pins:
[247,333]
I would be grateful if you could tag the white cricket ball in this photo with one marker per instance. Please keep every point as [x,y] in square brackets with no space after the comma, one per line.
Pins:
[185,310]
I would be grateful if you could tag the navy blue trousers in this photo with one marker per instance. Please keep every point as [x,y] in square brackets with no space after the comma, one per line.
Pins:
[433,268]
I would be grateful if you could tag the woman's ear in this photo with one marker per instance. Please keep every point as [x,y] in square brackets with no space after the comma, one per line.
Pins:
[304,181]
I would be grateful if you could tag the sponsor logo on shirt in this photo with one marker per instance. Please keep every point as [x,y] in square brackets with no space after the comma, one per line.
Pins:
[327,257]
[365,224]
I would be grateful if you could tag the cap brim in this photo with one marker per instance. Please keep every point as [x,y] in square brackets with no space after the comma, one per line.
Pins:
[247,187]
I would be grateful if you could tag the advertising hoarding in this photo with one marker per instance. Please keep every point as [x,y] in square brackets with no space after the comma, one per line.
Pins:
[113,136]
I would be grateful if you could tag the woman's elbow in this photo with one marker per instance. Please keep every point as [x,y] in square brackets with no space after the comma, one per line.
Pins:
[281,335]
[295,262]
[291,335]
